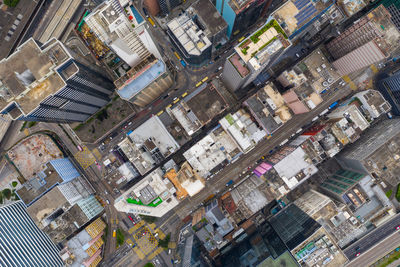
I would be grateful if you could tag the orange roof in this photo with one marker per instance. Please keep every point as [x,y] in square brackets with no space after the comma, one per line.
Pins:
[180,191]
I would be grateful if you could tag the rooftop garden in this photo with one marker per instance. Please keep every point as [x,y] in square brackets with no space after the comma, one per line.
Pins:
[154,203]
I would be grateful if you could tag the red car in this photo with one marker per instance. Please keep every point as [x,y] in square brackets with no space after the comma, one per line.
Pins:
[130,218]
[398,227]
[358,254]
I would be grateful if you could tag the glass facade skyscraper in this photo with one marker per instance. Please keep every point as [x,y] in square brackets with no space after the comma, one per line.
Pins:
[22,243]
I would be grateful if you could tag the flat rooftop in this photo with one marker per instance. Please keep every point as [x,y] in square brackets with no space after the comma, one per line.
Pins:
[139,77]
[199,107]
[30,155]
[295,14]
[262,44]
[152,196]
[319,72]
[209,16]
[36,186]
[29,75]
[155,130]
[239,65]
[189,35]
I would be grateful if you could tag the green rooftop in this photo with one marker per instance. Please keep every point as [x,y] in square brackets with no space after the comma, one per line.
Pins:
[154,203]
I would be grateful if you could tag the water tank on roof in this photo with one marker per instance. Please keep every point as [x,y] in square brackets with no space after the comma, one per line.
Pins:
[325,83]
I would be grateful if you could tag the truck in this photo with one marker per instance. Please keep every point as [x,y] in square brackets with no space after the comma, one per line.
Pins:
[284,142]
[315,118]
[230,182]
[324,112]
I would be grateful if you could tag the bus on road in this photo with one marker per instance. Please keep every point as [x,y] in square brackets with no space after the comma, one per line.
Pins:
[177,56]
[151,22]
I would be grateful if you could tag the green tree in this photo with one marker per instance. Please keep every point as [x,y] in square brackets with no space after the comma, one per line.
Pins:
[149,264]
[7,193]
[14,183]
[11,3]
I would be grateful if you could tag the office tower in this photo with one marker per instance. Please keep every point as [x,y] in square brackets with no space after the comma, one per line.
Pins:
[240,15]
[371,39]
[149,76]
[389,87]
[254,54]
[22,243]
[167,5]
[45,83]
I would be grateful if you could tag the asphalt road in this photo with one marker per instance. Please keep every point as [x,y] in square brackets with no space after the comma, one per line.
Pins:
[371,239]
[233,170]
[379,250]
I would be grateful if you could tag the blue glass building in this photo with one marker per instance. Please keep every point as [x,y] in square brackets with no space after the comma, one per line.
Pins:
[389,86]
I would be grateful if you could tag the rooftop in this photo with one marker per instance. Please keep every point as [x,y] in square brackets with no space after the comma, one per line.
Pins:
[199,107]
[269,109]
[319,72]
[139,77]
[373,102]
[32,73]
[153,131]
[372,140]
[242,129]
[239,65]
[212,152]
[265,42]
[213,21]
[31,154]
[189,35]
[152,196]
[297,14]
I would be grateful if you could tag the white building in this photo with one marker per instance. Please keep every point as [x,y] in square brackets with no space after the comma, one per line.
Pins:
[152,196]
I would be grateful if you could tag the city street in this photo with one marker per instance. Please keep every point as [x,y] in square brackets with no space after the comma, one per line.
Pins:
[364,245]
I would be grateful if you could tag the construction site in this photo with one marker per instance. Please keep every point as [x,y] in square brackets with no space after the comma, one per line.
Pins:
[31,154]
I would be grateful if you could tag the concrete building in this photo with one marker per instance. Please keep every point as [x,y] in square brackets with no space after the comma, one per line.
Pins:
[376,153]
[296,16]
[186,181]
[361,194]
[145,82]
[242,129]
[199,107]
[129,38]
[85,248]
[351,112]
[389,87]
[216,217]
[214,26]
[373,103]
[212,153]
[302,99]
[240,15]
[22,242]
[245,200]
[294,167]
[268,108]
[254,54]
[319,250]
[45,83]
[193,44]
[311,147]
[152,196]
[393,7]
[368,41]
[336,218]
[323,135]
[293,226]
[167,5]
[148,145]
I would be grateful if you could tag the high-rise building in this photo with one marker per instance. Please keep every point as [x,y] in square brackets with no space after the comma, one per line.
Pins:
[240,15]
[149,76]
[254,54]
[370,40]
[46,83]
[22,243]
[389,87]
[167,5]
